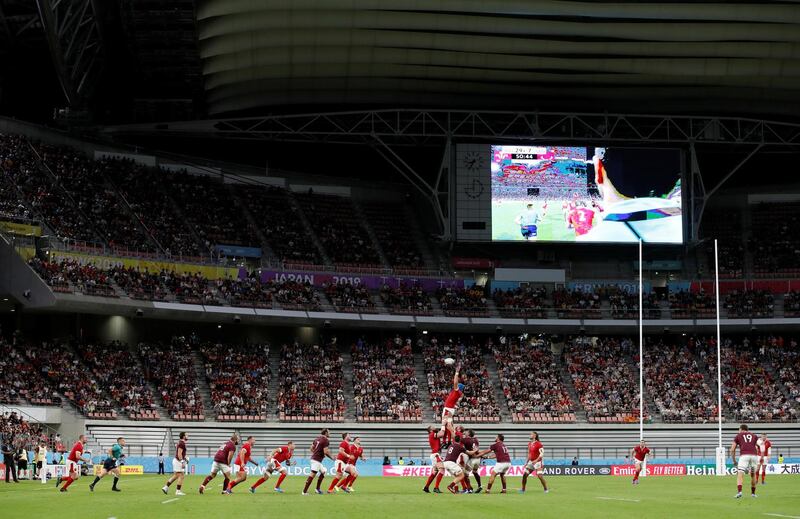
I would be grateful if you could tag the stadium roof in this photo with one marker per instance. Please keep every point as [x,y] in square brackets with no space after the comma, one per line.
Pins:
[726,57]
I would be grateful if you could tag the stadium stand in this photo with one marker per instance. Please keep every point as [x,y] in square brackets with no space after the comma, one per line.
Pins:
[576,304]
[406,299]
[21,382]
[395,239]
[347,297]
[530,377]
[468,302]
[478,403]
[238,376]
[341,231]
[525,301]
[726,227]
[311,384]
[774,244]
[603,377]
[170,367]
[688,305]
[384,382]
[749,303]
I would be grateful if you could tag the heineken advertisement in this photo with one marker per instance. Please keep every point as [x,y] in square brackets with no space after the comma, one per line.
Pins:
[773,469]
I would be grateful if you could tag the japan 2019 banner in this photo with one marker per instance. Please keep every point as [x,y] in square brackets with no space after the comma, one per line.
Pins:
[578,194]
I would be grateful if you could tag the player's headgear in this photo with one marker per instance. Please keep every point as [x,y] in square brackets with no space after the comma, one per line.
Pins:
[638,172]
[460,386]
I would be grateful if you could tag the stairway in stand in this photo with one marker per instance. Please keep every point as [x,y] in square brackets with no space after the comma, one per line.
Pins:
[202,385]
[274,381]
[566,380]
[499,396]
[349,393]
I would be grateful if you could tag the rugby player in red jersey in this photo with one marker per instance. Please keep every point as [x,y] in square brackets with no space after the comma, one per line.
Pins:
[319,451]
[535,463]
[450,404]
[500,452]
[73,469]
[245,457]
[437,470]
[357,452]
[453,463]
[179,464]
[342,465]
[639,454]
[748,459]
[222,462]
[279,456]
[766,452]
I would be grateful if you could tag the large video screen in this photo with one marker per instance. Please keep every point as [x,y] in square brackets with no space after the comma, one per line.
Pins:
[579,194]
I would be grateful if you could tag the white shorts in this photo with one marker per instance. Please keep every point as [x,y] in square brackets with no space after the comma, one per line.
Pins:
[435,459]
[472,465]
[447,415]
[637,463]
[72,466]
[275,466]
[340,467]
[501,468]
[764,460]
[178,466]
[453,468]
[317,466]
[747,462]
[533,468]
[220,467]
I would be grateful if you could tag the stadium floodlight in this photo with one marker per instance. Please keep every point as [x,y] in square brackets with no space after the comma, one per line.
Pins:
[721,457]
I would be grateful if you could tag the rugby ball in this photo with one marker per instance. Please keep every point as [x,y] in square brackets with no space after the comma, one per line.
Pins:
[449,361]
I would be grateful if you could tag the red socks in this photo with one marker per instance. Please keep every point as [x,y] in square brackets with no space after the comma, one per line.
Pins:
[67,482]
[439,479]
[259,482]
[280,480]
[430,479]
[333,484]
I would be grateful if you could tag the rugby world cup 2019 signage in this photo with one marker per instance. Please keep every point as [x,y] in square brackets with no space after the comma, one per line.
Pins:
[515,470]
[318,279]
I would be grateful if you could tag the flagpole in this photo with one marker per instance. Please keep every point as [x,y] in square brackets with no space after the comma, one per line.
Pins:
[641,347]
[721,457]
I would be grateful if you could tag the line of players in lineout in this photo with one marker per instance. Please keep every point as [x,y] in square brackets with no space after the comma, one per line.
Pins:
[462,458]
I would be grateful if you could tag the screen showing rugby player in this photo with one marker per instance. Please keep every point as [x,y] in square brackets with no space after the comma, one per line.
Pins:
[579,194]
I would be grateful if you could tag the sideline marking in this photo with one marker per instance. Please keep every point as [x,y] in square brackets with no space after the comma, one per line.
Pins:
[170,500]
[789,516]
[621,499]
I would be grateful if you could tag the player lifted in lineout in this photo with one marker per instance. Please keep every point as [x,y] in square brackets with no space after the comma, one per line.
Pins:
[450,403]
[275,463]
[748,460]
[535,463]
[639,454]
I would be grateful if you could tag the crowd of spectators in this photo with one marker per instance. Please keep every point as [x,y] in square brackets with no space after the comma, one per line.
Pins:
[675,380]
[397,243]
[248,291]
[749,304]
[531,379]
[170,367]
[749,391]
[347,297]
[280,224]
[238,377]
[56,362]
[478,403]
[139,283]
[14,154]
[297,295]
[193,289]
[340,229]
[17,432]
[576,304]
[311,383]
[66,274]
[406,299]
[624,304]
[464,302]
[774,242]
[525,301]
[21,382]
[111,365]
[785,358]
[791,304]
[688,305]
[604,378]
[384,384]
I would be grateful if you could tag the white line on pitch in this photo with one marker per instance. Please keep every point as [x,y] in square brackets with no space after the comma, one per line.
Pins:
[170,500]
[789,516]
[620,499]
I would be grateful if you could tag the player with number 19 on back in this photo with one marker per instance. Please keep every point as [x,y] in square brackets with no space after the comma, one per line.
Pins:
[748,460]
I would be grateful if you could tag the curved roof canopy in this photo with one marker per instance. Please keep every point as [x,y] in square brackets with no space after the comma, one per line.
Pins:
[637,56]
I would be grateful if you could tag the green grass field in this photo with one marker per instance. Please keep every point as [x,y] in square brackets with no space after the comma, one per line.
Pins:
[600,496]
[551,226]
